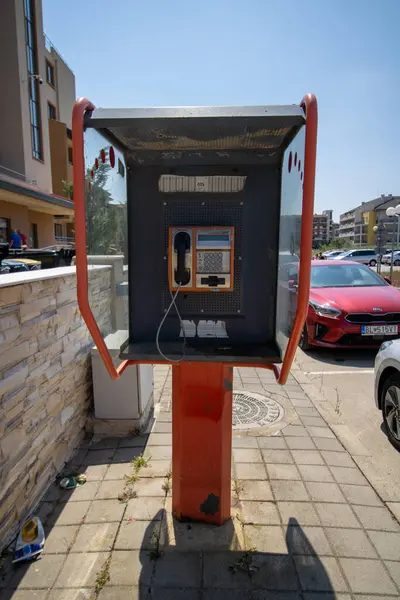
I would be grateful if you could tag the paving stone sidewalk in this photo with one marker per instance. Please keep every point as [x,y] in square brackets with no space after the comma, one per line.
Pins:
[306,524]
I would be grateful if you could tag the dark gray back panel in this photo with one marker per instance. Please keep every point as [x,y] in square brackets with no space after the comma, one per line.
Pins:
[255,215]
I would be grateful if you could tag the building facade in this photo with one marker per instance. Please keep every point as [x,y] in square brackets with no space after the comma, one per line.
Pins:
[35,124]
[357,225]
[324,229]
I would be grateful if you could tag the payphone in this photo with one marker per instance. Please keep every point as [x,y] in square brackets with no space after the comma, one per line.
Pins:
[201,259]
[217,200]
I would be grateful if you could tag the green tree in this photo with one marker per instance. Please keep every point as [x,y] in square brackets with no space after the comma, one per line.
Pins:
[105,222]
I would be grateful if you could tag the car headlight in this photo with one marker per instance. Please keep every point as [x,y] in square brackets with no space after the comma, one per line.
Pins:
[325,310]
[385,345]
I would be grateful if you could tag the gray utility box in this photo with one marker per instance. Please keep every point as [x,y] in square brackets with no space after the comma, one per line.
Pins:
[127,397]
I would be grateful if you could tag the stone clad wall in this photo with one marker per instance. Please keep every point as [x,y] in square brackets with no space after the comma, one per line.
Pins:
[45,381]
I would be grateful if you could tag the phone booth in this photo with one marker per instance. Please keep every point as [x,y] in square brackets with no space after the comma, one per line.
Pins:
[215,202]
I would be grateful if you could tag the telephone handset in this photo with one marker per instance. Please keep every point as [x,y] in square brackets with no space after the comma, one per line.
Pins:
[181,247]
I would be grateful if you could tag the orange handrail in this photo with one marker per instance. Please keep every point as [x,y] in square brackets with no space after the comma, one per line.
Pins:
[81,106]
[309,104]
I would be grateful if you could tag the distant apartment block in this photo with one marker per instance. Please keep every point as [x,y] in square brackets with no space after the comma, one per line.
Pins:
[357,225]
[324,229]
[35,124]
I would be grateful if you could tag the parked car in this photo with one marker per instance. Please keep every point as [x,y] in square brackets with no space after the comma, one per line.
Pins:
[350,305]
[387,388]
[365,256]
[387,258]
[332,253]
[33,265]
[14,266]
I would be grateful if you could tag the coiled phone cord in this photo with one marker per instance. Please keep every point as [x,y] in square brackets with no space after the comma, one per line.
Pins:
[173,298]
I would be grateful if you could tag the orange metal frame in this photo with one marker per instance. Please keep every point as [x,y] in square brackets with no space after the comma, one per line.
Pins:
[173,287]
[83,105]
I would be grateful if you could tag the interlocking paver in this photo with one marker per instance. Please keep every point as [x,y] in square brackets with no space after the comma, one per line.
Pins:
[138,535]
[330,444]
[111,489]
[320,432]
[315,473]
[277,456]
[81,570]
[350,543]
[272,443]
[251,471]
[307,457]
[201,537]
[255,490]
[150,487]
[337,459]
[130,567]
[71,513]
[125,455]
[68,594]
[394,570]
[336,515]
[60,539]
[158,452]
[367,576]
[324,492]
[246,455]
[40,574]
[279,471]
[266,538]
[303,512]
[178,569]
[121,593]
[134,440]
[145,510]
[261,513]
[319,573]
[217,571]
[289,490]
[274,572]
[174,594]
[387,544]
[160,439]
[378,518]
[350,476]
[98,537]
[244,442]
[295,431]
[119,471]
[313,421]
[98,457]
[300,443]
[360,494]
[94,472]
[105,511]
[307,540]
[162,427]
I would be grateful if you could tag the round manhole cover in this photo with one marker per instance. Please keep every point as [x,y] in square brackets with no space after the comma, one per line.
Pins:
[254,410]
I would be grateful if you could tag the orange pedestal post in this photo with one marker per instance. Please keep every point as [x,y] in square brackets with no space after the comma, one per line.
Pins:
[201,441]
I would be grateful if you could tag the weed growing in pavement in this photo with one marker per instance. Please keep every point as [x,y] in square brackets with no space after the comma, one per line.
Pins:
[166,486]
[140,462]
[237,488]
[103,577]
[245,563]
[127,494]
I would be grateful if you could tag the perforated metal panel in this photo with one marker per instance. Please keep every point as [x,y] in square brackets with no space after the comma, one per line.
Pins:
[206,213]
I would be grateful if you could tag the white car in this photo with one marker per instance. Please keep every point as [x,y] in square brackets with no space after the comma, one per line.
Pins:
[365,256]
[387,388]
[332,253]
[387,258]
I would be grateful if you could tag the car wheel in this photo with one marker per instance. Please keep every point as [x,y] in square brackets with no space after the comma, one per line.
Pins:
[390,402]
[304,343]
[396,263]
[372,263]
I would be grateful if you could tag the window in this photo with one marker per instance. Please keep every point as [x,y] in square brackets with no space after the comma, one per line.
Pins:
[344,276]
[121,168]
[58,230]
[51,111]
[4,230]
[70,156]
[50,76]
[33,80]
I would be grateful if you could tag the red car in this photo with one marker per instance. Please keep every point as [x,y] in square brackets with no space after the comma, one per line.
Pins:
[350,305]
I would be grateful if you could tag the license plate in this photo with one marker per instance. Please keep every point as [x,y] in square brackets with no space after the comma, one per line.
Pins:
[379,330]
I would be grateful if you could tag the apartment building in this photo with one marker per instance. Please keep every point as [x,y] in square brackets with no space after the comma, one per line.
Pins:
[35,124]
[324,229]
[357,225]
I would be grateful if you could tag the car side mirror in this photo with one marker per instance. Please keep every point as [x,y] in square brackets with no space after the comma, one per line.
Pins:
[292,284]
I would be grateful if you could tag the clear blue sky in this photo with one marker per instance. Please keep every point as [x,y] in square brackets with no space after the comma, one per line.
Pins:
[127,53]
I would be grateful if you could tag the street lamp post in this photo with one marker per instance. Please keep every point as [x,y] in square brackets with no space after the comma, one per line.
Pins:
[379,229]
[394,211]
